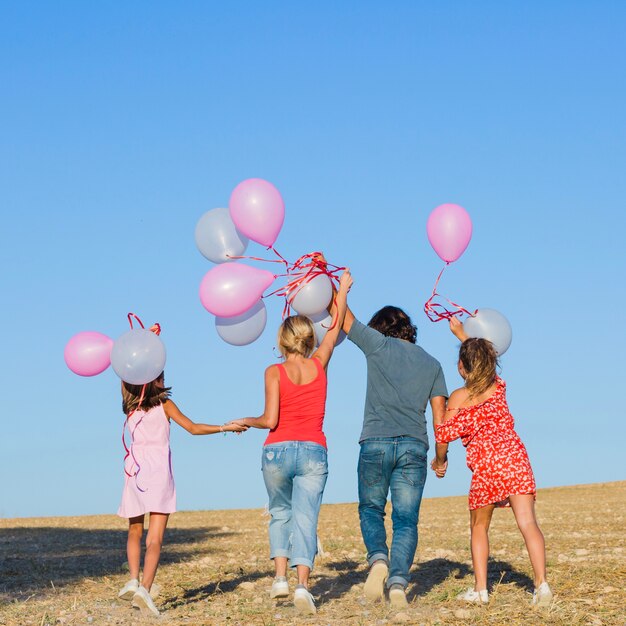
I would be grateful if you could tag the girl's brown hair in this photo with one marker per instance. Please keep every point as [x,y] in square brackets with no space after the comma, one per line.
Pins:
[479,360]
[296,335]
[155,393]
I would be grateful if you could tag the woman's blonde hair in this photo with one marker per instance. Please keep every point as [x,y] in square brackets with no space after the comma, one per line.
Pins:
[296,335]
[479,360]
[155,393]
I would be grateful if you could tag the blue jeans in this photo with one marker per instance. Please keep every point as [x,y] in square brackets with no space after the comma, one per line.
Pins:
[295,474]
[399,464]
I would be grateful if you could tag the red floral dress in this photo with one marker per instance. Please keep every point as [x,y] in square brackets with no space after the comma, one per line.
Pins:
[495,453]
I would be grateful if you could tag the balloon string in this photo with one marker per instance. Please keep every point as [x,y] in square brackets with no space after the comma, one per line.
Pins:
[130,320]
[129,451]
[155,328]
[303,271]
[436,311]
[280,258]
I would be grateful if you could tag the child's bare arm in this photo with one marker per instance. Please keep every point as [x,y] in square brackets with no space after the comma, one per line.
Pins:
[456,326]
[440,462]
[174,413]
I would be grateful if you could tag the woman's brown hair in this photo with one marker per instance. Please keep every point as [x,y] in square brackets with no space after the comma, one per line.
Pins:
[479,360]
[155,393]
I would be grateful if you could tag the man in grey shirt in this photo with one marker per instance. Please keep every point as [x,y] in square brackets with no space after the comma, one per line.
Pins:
[402,379]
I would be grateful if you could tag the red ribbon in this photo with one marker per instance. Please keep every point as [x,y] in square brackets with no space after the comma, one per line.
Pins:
[436,311]
[156,329]
[303,271]
[129,451]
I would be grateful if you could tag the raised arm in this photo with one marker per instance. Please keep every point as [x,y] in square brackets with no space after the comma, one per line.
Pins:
[338,311]
[348,320]
[174,413]
[269,419]
[456,326]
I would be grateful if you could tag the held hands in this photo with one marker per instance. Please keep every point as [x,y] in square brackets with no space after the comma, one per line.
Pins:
[439,468]
[234,427]
[456,326]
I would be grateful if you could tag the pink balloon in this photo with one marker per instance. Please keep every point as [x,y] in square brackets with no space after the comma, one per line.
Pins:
[449,229]
[88,353]
[257,209]
[232,288]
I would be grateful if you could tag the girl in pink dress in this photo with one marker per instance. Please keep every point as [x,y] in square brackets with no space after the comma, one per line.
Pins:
[479,415]
[149,481]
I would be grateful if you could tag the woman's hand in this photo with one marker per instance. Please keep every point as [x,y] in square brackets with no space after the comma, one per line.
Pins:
[345,282]
[439,468]
[235,427]
[456,326]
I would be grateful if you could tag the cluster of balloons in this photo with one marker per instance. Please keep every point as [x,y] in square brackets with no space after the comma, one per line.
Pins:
[449,230]
[137,357]
[233,291]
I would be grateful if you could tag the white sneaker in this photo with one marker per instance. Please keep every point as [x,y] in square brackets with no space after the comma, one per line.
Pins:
[303,601]
[155,591]
[129,589]
[397,597]
[280,587]
[477,597]
[143,602]
[374,588]
[542,596]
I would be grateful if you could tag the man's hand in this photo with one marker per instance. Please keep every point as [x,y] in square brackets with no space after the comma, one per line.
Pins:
[439,468]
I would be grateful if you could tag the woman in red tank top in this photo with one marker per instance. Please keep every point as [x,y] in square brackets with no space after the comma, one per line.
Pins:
[294,459]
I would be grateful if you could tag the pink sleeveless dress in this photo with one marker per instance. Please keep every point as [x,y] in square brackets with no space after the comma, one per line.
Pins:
[149,481]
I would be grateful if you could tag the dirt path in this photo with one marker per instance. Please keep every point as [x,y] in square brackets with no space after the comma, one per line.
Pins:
[215,568]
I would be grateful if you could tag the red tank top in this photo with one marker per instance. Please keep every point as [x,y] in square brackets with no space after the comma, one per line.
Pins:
[301,409]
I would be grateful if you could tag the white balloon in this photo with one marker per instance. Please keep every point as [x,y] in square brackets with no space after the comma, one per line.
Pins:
[313,296]
[245,328]
[217,237]
[321,323]
[138,356]
[492,325]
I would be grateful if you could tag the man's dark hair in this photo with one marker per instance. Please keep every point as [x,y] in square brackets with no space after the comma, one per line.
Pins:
[394,322]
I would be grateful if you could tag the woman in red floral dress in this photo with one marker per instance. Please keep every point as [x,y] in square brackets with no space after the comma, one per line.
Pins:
[478,414]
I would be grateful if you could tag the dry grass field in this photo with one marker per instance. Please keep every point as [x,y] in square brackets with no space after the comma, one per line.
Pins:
[215,568]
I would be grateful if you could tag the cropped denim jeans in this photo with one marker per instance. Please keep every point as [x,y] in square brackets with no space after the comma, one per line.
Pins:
[397,464]
[295,474]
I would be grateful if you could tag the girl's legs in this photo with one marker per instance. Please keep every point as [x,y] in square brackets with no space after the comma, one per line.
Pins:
[524,511]
[133,544]
[479,526]
[154,541]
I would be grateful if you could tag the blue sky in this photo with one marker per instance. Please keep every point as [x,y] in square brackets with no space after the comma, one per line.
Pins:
[123,123]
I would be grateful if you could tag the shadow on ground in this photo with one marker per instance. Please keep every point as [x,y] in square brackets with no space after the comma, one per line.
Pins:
[37,558]
[425,577]
[429,574]
[228,585]
[349,573]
